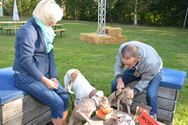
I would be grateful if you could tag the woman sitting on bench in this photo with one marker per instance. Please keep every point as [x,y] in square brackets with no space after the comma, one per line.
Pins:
[34,65]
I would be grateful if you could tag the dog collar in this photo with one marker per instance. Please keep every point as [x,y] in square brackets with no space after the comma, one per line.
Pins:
[95,100]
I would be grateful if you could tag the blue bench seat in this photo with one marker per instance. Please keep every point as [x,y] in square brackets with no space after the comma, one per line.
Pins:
[16,106]
[8,91]
[172,78]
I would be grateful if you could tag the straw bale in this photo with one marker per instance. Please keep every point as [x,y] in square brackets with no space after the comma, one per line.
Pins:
[96,39]
[113,31]
[121,39]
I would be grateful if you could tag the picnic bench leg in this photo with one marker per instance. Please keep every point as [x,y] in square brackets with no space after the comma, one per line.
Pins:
[1,30]
[7,31]
[61,33]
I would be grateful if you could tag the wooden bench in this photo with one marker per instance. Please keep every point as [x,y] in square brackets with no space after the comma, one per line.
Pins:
[172,81]
[61,31]
[16,106]
[11,29]
[57,26]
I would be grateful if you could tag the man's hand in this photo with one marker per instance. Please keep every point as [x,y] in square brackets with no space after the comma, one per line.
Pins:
[120,84]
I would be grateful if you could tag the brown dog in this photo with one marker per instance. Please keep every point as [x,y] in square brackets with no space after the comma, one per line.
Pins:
[84,109]
[124,96]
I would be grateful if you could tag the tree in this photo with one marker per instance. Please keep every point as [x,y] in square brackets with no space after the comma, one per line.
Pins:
[135,12]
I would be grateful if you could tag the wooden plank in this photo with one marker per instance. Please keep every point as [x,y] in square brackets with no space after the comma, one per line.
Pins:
[41,120]
[167,93]
[12,22]
[163,103]
[17,106]
[60,30]
[27,116]
[163,115]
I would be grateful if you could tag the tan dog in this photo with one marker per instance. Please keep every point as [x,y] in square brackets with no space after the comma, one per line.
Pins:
[124,96]
[84,109]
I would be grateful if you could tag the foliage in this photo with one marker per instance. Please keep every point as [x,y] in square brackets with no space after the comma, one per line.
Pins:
[150,12]
[25,7]
[81,9]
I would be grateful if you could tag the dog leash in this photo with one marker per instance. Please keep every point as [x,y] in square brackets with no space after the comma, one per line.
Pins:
[72,102]
[118,94]
[62,92]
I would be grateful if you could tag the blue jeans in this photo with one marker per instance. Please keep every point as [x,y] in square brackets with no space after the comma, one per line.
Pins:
[152,89]
[56,99]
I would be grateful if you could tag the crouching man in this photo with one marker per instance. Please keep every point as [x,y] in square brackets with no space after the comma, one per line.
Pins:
[138,61]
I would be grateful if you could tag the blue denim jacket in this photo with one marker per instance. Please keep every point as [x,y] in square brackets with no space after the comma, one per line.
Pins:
[31,59]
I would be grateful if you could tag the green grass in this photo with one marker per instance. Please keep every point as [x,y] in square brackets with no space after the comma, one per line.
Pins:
[96,62]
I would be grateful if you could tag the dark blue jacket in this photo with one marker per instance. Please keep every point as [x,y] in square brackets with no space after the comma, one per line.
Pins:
[31,58]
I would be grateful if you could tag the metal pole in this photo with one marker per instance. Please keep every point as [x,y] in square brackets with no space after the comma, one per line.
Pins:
[101,17]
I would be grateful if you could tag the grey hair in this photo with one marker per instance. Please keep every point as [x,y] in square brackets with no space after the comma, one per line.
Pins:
[48,10]
[130,50]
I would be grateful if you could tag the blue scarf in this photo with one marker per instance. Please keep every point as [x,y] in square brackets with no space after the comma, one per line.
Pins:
[48,34]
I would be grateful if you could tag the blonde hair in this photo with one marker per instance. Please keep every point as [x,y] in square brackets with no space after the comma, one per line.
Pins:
[48,10]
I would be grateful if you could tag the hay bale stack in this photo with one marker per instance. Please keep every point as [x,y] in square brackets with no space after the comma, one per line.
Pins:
[121,38]
[96,39]
[114,36]
[113,31]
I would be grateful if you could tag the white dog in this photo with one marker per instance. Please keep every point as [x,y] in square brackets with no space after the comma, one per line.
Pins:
[76,83]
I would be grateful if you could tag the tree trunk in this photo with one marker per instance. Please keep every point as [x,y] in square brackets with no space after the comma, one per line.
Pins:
[75,13]
[135,12]
[185,20]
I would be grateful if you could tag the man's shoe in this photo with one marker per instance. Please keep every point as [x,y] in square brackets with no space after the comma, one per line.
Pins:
[154,116]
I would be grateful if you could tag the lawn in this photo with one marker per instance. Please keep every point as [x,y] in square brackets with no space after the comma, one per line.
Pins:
[96,62]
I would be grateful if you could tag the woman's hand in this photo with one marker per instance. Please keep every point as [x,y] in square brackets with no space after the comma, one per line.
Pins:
[55,80]
[50,83]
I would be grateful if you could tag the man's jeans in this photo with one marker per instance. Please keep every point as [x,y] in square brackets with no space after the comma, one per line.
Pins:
[152,89]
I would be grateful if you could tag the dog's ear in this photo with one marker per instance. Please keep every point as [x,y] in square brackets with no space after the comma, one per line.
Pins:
[74,76]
